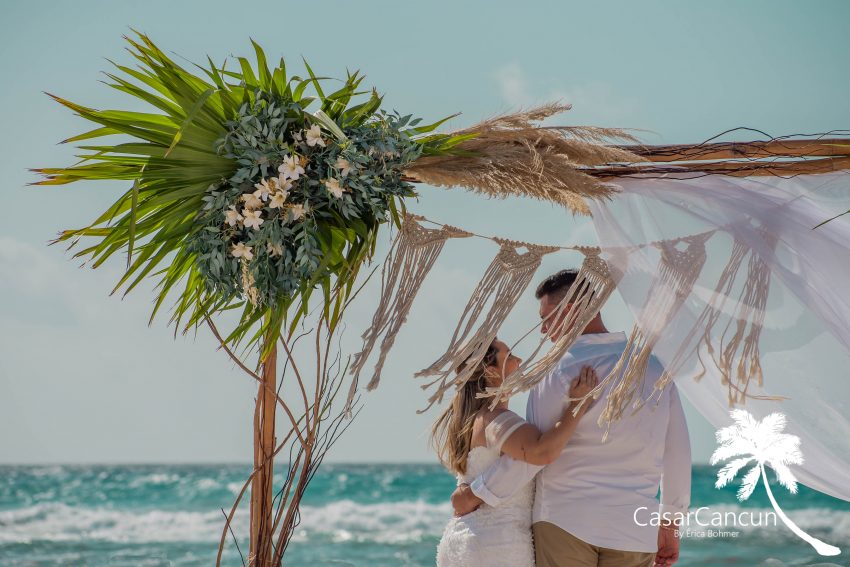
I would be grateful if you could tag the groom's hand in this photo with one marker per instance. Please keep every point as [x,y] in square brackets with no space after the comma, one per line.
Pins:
[668,546]
[464,501]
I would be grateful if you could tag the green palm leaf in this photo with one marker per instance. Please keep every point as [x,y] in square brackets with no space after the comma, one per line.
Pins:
[172,159]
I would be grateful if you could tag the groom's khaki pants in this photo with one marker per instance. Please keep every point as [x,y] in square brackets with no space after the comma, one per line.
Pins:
[554,547]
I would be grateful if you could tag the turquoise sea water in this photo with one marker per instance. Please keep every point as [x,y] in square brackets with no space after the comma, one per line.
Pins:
[363,515]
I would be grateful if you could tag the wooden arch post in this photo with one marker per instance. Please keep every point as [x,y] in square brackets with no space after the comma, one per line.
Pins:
[260,552]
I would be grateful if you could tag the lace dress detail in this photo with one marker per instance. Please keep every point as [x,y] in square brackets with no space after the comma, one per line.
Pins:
[491,536]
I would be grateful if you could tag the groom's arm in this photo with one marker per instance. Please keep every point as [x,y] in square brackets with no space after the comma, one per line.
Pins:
[675,483]
[502,479]
[499,482]
[676,471]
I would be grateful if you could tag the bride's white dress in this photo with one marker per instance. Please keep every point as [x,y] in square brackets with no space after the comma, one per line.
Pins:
[494,537]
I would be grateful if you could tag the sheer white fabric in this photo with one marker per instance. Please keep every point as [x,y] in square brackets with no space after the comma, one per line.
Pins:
[494,536]
[804,346]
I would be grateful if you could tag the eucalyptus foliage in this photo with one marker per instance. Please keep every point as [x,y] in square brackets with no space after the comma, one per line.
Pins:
[248,189]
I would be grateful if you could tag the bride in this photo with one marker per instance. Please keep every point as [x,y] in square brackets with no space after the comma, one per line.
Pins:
[468,438]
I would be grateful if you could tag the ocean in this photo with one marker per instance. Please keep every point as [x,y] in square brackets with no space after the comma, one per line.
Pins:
[371,515]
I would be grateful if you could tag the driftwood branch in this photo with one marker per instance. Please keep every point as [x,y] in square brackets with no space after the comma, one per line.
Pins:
[255,376]
[781,157]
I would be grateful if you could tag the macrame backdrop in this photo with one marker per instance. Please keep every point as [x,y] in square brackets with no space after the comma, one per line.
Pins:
[507,277]
[586,296]
[751,303]
[766,325]
[676,272]
[411,257]
[773,337]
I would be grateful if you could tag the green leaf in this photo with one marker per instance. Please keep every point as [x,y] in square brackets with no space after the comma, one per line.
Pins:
[132,232]
[172,161]
[262,66]
[189,118]
[328,123]
[433,126]
[314,80]
[247,73]
[97,132]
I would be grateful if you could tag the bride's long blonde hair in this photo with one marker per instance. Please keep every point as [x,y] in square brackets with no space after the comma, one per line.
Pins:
[451,434]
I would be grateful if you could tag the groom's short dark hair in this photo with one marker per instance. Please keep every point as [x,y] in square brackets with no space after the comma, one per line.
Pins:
[557,285]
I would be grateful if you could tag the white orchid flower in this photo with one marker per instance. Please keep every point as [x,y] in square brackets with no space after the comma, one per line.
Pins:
[264,187]
[291,167]
[298,212]
[278,199]
[343,165]
[252,219]
[232,216]
[334,187]
[241,250]
[251,201]
[314,136]
[282,183]
[274,249]
[263,192]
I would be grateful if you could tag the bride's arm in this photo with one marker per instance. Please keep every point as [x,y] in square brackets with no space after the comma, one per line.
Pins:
[500,481]
[528,444]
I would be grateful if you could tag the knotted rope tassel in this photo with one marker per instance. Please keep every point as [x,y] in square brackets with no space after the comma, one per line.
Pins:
[749,312]
[507,277]
[677,272]
[410,260]
[583,300]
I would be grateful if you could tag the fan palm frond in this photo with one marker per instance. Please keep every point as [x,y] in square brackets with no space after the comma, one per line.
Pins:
[726,474]
[784,476]
[732,446]
[772,424]
[782,448]
[749,482]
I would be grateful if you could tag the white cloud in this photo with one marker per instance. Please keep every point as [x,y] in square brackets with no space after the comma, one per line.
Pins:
[23,265]
[598,102]
[593,102]
[513,84]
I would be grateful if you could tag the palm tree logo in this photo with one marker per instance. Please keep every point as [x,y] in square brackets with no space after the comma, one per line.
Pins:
[763,442]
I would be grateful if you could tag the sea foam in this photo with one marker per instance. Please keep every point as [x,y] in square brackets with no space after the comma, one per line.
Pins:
[342,520]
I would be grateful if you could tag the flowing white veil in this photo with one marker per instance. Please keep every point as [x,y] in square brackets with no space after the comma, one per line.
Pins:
[793,317]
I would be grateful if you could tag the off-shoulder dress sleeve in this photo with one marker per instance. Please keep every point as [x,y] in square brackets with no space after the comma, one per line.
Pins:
[501,427]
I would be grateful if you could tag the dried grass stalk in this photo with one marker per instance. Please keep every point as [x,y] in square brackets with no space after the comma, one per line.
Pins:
[511,155]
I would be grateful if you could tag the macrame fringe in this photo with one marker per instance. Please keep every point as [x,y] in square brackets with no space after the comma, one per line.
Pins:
[411,258]
[507,277]
[674,280]
[742,349]
[582,302]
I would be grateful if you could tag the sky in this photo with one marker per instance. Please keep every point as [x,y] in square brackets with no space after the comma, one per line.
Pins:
[83,378]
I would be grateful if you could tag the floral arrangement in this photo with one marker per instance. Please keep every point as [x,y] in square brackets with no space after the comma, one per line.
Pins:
[302,180]
[257,187]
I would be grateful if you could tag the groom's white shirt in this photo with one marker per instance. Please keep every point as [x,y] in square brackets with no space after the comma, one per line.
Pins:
[594,489]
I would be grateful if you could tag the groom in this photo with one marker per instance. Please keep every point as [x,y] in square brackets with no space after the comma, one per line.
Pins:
[594,505]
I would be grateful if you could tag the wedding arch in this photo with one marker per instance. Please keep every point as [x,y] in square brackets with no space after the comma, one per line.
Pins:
[260,194]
